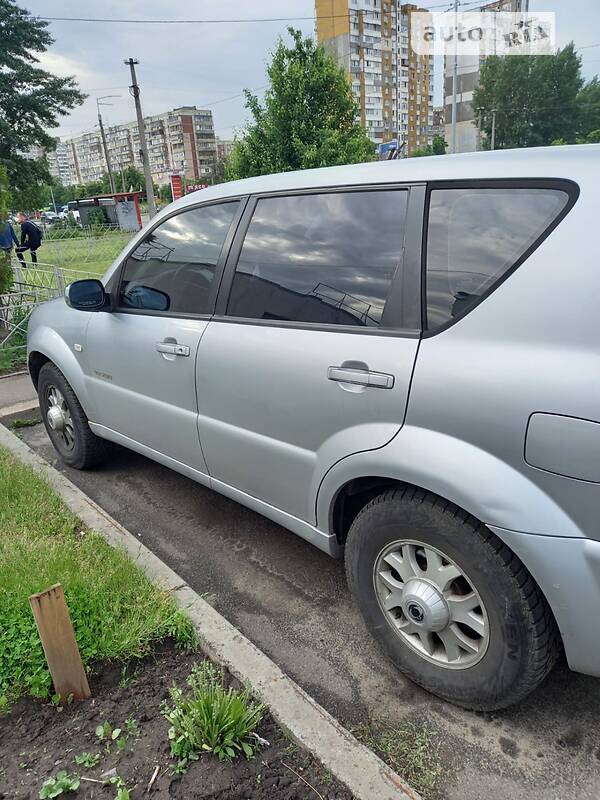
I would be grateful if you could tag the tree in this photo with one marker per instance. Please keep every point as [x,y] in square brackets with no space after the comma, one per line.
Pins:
[31,99]
[134,179]
[535,98]
[437,148]
[307,119]
[588,102]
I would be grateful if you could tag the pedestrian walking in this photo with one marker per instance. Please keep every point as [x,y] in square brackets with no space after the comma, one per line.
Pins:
[31,238]
[8,238]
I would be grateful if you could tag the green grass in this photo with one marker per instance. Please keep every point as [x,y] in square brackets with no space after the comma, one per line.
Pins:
[116,612]
[77,249]
[89,254]
[410,749]
[12,359]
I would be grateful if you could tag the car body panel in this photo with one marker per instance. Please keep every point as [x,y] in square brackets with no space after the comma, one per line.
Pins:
[568,574]
[141,393]
[271,422]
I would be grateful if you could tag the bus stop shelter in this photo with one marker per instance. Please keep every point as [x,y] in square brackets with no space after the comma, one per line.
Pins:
[122,209]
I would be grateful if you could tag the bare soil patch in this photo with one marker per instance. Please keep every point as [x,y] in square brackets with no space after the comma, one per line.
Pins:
[37,740]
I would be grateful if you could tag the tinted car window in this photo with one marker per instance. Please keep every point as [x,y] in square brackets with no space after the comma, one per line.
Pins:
[322,258]
[174,266]
[474,237]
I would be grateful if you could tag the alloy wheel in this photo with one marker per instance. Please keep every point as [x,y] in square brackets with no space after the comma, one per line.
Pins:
[432,604]
[59,417]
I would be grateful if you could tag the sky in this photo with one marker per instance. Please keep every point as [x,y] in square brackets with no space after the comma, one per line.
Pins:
[210,65]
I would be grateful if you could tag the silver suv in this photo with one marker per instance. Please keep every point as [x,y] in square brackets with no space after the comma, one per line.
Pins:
[398,362]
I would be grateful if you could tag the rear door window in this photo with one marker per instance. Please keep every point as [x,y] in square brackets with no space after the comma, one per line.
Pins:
[323,258]
[475,236]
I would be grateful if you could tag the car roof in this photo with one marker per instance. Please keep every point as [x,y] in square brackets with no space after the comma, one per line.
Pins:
[575,162]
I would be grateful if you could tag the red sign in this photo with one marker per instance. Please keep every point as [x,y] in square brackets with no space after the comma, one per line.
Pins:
[176,186]
[195,187]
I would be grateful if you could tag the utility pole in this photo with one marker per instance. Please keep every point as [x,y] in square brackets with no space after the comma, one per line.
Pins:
[135,93]
[111,179]
[493,142]
[53,200]
[454,77]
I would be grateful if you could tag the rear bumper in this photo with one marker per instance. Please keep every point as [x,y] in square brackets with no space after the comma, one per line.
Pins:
[567,571]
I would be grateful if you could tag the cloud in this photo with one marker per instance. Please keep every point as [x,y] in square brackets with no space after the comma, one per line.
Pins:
[63,66]
[179,64]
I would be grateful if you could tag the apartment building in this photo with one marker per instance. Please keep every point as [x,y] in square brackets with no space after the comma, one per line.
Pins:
[224,148]
[181,140]
[438,126]
[393,86]
[467,78]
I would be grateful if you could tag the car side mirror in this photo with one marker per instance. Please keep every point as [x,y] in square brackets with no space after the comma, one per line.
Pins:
[87,295]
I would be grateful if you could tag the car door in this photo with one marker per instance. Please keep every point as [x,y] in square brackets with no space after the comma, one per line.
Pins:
[140,359]
[312,347]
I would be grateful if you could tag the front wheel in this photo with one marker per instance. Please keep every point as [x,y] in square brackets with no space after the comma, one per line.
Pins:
[454,608]
[66,422]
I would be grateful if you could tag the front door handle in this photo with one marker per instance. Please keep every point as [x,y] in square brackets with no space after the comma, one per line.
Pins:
[362,377]
[173,349]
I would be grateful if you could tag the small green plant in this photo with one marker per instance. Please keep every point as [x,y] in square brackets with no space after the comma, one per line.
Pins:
[60,784]
[127,678]
[87,760]
[122,790]
[211,719]
[107,734]
[25,423]
[132,727]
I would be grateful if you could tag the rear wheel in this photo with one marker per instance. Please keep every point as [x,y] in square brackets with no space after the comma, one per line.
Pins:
[450,603]
[66,422]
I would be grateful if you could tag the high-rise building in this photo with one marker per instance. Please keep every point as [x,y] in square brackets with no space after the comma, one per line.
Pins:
[182,140]
[467,78]
[393,86]
[438,126]
[224,148]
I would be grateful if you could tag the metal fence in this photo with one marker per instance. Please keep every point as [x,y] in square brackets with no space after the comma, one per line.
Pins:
[32,285]
[67,253]
[93,248]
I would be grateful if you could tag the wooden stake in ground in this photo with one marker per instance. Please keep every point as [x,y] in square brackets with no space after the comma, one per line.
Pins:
[58,640]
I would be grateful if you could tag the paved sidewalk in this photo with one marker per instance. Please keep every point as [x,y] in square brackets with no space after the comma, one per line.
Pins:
[16,394]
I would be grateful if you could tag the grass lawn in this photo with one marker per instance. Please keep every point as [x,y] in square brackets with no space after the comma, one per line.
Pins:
[117,613]
[88,254]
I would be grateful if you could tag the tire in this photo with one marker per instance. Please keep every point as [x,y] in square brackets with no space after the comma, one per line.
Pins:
[72,437]
[511,635]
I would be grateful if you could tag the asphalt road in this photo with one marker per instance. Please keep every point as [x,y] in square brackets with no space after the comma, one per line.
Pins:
[291,600]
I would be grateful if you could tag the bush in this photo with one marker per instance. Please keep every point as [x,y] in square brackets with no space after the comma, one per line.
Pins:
[211,718]
[6,273]
[97,216]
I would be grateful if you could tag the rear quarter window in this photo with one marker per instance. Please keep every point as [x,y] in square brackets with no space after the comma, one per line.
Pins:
[475,236]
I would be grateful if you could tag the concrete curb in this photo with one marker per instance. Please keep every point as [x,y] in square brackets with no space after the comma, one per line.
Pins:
[18,408]
[13,374]
[353,764]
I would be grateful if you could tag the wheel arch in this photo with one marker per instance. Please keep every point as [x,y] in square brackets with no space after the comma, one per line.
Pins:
[35,362]
[45,345]
[480,483]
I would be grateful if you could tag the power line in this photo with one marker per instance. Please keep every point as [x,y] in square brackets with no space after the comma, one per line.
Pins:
[222,21]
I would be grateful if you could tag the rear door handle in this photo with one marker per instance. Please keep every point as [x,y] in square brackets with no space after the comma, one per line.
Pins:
[362,377]
[173,349]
